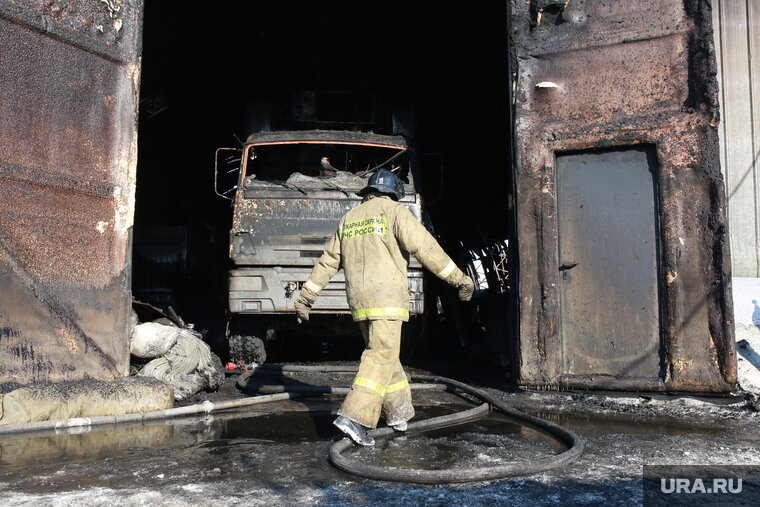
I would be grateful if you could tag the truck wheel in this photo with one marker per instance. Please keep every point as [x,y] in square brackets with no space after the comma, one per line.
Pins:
[246,348]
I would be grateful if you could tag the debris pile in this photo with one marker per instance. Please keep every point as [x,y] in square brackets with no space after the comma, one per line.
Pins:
[342,179]
[179,356]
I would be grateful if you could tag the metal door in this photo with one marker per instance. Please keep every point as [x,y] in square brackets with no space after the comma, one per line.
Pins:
[608,258]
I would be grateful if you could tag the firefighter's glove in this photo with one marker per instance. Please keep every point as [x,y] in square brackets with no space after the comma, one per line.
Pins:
[466,288]
[303,303]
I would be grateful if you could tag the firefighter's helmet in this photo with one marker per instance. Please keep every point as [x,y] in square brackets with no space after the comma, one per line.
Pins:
[386,182]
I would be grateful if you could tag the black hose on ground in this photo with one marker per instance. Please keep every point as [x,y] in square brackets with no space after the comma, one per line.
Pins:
[279,368]
[301,389]
[458,475]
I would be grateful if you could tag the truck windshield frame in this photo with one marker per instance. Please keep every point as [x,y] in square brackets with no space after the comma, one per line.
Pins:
[307,166]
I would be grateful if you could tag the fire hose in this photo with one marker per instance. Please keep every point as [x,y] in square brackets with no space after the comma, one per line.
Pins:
[573,442]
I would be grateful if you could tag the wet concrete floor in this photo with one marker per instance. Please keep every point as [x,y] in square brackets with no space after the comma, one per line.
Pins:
[280,458]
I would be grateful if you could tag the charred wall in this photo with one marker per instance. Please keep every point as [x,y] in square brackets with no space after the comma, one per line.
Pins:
[626,73]
[69,74]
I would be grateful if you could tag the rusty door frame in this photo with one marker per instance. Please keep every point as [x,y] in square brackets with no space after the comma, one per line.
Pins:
[611,75]
[586,381]
[666,138]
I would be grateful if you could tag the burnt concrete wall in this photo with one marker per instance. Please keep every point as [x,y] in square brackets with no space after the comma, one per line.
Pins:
[627,73]
[69,74]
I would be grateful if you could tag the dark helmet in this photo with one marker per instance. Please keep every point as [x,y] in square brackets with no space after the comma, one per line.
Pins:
[385,182]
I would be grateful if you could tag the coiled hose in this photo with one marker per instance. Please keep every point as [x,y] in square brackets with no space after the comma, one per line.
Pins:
[567,437]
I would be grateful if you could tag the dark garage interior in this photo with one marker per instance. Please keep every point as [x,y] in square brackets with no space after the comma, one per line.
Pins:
[210,76]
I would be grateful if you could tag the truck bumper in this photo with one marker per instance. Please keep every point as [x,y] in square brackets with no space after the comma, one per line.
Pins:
[272,291]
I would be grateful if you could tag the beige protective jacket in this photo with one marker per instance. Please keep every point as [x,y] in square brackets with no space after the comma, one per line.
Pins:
[372,244]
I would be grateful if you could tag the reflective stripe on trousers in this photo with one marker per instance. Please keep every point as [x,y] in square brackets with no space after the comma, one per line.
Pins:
[364,313]
[378,388]
[380,384]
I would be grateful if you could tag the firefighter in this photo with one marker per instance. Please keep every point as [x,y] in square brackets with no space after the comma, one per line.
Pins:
[372,244]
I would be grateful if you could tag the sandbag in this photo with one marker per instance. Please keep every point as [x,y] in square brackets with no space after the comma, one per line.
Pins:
[85,398]
[189,366]
[151,339]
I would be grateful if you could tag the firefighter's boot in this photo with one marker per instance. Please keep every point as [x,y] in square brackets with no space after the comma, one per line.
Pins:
[355,431]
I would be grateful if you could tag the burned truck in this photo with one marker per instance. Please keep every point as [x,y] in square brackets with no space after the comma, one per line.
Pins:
[292,189]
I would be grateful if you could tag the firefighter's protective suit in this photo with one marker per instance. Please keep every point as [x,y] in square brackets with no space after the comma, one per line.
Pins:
[372,244]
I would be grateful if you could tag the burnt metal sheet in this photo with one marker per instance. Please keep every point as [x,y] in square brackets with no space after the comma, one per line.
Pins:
[327,137]
[608,255]
[285,231]
[69,74]
[285,228]
[594,75]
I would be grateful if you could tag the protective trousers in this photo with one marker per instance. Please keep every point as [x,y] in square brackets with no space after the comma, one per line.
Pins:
[380,383]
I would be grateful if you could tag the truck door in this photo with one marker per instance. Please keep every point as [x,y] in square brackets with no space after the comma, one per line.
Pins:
[624,269]
[69,73]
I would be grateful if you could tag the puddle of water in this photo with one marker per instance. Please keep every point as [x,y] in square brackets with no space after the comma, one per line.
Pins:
[595,425]
[284,447]
[492,440]
[218,430]
[499,439]
[223,430]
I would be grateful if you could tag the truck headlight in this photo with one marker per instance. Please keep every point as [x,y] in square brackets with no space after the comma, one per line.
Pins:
[246,283]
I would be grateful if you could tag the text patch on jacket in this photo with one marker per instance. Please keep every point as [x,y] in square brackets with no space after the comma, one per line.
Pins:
[371,225]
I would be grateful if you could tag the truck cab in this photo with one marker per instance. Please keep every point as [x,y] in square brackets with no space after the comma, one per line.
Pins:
[292,189]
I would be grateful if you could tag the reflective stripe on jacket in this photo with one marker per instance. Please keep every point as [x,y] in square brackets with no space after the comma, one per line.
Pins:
[372,244]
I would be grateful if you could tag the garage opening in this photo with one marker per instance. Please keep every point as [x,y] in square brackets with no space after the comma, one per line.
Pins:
[211,77]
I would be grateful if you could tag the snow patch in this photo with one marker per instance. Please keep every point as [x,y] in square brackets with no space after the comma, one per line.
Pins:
[748,357]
